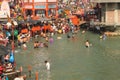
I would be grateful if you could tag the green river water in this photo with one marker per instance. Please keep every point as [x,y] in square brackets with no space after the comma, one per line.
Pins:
[71,60]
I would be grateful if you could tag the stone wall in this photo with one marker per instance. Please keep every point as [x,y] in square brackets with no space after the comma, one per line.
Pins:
[119,16]
[110,17]
[110,11]
[111,14]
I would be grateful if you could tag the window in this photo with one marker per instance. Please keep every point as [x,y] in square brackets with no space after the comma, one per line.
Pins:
[40,13]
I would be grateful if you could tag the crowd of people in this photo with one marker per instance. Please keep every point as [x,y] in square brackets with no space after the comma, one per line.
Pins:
[22,33]
[7,65]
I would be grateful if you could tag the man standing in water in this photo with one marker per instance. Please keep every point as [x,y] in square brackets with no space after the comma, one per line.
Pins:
[47,64]
[87,44]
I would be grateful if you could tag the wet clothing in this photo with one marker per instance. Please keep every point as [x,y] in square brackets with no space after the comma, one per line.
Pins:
[48,66]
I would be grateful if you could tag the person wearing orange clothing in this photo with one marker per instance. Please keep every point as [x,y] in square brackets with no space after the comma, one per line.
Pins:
[50,28]
[37,28]
[33,31]
[75,20]
[24,31]
[45,28]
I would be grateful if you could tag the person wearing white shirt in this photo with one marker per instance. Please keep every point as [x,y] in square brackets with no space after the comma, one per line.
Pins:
[47,64]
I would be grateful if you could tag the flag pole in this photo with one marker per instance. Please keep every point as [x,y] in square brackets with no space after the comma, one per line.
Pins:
[12,27]
[12,43]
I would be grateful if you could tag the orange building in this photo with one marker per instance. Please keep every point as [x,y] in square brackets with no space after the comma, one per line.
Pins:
[40,8]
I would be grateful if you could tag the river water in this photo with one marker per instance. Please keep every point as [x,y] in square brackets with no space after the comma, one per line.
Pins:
[71,60]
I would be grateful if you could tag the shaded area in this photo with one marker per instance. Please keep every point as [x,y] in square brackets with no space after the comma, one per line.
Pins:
[97,28]
[3,51]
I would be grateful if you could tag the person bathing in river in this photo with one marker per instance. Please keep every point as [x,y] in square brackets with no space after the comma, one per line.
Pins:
[51,40]
[41,44]
[24,46]
[87,44]
[36,44]
[47,64]
[45,45]
[68,36]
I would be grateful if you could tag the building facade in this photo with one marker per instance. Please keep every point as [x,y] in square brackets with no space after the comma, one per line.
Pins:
[40,8]
[110,11]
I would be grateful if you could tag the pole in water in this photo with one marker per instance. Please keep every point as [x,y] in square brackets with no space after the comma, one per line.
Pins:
[13,46]
[29,70]
[21,69]
[36,76]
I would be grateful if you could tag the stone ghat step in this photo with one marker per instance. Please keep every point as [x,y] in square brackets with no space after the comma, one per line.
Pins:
[112,33]
[11,73]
